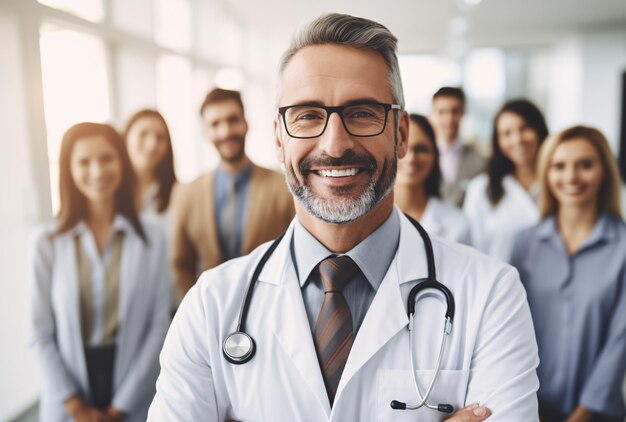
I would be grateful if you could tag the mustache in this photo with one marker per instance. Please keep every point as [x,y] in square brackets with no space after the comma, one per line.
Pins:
[237,138]
[350,158]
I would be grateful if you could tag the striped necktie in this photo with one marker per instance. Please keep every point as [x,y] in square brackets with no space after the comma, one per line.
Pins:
[333,328]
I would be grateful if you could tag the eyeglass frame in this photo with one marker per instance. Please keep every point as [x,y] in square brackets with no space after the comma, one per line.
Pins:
[339,110]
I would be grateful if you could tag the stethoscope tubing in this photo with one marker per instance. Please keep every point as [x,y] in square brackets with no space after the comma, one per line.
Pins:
[424,397]
[235,352]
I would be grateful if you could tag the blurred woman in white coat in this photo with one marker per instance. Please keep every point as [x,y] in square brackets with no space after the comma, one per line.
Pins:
[418,185]
[502,202]
[99,288]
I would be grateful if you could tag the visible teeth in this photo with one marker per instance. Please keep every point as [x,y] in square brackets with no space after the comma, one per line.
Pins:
[338,173]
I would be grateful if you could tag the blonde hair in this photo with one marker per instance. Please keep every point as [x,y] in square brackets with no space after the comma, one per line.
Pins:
[610,190]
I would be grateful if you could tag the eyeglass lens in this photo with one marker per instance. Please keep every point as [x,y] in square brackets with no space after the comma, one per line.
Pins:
[359,120]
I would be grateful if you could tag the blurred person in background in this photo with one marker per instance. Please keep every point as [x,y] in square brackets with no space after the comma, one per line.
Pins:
[229,211]
[458,162]
[502,202]
[149,147]
[418,186]
[573,265]
[150,150]
[99,288]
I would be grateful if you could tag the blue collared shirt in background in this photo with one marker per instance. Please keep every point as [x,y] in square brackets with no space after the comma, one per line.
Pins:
[223,181]
[578,305]
[373,256]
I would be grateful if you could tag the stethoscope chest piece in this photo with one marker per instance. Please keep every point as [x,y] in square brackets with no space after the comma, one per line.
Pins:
[238,348]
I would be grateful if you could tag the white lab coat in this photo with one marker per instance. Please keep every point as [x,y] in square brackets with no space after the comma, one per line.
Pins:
[491,356]
[444,220]
[494,229]
[623,202]
[55,333]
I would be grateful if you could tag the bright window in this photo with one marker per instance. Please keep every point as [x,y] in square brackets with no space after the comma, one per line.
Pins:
[422,76]
[134,16]
[174,100]
[173,20]
[92,10]
[136,81]
[484,77]
[75,87]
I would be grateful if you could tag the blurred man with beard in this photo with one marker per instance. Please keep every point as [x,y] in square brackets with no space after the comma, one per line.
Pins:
[231,210]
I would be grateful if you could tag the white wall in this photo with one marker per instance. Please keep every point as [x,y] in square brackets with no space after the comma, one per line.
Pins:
[19,211]
[604,61]
[584,86]
[564,90]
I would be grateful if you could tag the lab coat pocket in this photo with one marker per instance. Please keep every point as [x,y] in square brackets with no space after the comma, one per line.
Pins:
[397,384]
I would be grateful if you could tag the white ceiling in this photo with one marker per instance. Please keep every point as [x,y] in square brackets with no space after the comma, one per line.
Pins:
[424,26]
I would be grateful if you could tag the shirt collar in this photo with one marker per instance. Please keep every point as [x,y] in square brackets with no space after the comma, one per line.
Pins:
[601,232]
[150,196]
[445,148]
[373,255]
[120,224]
[238,178]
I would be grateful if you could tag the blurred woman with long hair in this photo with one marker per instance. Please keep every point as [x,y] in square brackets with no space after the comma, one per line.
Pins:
[573,265]
[99,288]
[418,185]
[149,146]
[502,202]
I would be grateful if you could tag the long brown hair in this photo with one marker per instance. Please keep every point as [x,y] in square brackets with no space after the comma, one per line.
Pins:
[610,190]
[499,165]
[164,171]
[73,203]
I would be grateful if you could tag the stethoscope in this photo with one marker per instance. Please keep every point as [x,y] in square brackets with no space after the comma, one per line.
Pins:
[238,347]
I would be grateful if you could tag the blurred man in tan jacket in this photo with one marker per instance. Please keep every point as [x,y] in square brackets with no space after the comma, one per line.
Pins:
[229,211]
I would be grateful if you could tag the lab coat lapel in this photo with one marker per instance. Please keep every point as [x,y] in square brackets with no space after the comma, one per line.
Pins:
[384,319]
[72,285]
[430,217]
[129,277]
[387,313]
[289,320]
[523,198]
[68,276]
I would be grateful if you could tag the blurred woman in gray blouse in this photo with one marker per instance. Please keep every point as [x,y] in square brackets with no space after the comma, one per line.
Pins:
[573,265]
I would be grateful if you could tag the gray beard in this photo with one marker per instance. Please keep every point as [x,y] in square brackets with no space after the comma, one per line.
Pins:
[344,210]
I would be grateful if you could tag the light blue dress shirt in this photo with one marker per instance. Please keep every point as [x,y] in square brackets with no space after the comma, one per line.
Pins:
[223,180]
[373,256]
[578,304]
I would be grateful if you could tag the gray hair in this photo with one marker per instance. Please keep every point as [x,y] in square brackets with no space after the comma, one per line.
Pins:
[351,31]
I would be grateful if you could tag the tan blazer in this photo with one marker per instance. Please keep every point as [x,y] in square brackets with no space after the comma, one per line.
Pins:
[471,164]
[195,242]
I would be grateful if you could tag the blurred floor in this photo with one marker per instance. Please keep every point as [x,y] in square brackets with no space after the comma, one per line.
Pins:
[31,414]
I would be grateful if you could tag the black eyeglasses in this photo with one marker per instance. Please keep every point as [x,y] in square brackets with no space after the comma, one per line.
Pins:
[310,121]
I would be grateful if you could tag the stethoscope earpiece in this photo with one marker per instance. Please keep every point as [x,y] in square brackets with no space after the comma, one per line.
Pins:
[238,348]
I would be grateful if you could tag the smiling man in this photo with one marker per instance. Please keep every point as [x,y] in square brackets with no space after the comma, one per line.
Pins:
[324,336]
[230,211]
[458,161]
